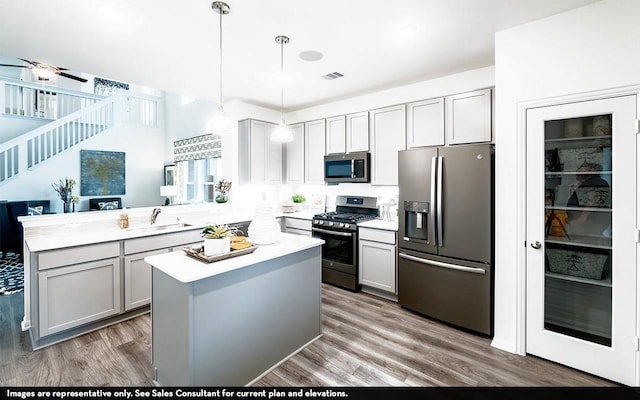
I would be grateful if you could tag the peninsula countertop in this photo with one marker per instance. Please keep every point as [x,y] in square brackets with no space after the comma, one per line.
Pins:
[187,269]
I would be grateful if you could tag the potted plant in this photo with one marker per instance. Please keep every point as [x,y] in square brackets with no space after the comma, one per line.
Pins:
[222,187]
[298,199]
[217,239]
[64,189]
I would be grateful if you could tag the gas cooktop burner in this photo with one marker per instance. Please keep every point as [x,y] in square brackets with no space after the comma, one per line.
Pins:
[344,217]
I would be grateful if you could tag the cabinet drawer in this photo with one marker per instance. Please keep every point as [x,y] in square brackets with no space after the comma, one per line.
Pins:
[296,223]
[377,235]
[76,255]
[163,241]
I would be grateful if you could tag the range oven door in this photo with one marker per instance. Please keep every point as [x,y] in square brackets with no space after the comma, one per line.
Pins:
[339,257]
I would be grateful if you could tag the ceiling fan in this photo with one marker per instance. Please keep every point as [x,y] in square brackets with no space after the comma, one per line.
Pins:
[43,71]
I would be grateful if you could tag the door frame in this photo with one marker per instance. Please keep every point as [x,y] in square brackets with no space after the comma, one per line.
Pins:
[521,199]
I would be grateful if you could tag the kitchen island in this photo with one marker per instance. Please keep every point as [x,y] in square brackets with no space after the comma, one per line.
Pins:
[229,322]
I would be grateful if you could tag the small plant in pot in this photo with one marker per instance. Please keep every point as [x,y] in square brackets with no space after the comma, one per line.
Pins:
[217,239]
[298,199]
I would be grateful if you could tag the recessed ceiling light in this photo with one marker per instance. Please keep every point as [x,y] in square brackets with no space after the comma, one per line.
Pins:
[406,32]
[310,55]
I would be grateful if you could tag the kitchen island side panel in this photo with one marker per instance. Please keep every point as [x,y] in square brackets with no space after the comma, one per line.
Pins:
[170,329]
[238,324]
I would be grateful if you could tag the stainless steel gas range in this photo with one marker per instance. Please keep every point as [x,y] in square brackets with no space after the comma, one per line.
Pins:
[339,230]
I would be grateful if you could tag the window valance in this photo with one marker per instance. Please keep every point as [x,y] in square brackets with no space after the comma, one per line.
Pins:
[197,148]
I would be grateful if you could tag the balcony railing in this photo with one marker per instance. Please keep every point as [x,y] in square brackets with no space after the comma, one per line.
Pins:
[84,117]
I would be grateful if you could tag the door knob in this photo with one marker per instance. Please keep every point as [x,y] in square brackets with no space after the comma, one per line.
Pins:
[536,245]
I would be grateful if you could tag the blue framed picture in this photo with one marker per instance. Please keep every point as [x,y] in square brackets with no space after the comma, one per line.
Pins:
[102,173]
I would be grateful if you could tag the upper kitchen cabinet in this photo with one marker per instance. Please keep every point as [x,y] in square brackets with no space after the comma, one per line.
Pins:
[260,158]
[387,132]
[296,155]
[425,123]
[336,135]
[314,142]
[468,117]
[358,132]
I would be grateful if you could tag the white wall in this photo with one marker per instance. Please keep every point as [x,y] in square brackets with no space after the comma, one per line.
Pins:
[144,156]
[591,48]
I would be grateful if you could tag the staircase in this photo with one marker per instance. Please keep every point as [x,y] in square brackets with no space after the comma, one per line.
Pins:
[76,117]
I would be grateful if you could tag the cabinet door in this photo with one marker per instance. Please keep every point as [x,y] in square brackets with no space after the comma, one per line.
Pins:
[295,155]
[425,123]
[258,145]
[358,132]
[387,138]
[274,158]
[581,219]
[469,117]
[314,133]
[377,265]
[79,294]
[137,279]
[336,135]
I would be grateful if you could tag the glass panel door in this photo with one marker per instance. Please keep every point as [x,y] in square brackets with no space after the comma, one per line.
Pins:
[581,236]
[578,218]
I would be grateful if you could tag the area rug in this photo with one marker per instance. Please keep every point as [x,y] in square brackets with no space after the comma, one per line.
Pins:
[11,274]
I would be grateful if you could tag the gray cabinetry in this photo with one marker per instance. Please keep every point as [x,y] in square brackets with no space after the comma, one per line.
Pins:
[336,135]
[260,158]
[377,263]
[469,118]
[295,155]
[298,226]
[358,132]
[425,123]
[387,138]
[137,272]
[85,289]
[314,149]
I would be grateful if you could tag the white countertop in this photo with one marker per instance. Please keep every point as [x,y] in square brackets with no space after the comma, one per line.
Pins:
[380,224]
[186,269]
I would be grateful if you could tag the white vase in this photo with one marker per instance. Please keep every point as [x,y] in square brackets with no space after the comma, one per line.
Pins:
[213,247]
[264,228]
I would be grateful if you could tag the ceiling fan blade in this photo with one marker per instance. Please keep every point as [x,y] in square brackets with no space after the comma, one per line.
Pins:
[34,63]
[77,78]
[11,65]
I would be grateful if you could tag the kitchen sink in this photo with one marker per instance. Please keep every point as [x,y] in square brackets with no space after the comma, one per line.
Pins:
[156,228]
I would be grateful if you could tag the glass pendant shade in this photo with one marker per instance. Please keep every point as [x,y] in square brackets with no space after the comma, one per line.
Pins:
[281,134]
[218,123]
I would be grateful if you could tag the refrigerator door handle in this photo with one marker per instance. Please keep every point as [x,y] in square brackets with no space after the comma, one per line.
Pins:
[439,203]
[431,230]
[442,264]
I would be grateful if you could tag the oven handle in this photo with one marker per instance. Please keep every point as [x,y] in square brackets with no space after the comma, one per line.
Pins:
[334,233]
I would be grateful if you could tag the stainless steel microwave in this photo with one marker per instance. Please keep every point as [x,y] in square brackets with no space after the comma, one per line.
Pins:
[349,167]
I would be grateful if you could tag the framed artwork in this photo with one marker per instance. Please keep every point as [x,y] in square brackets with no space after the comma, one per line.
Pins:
[102,173]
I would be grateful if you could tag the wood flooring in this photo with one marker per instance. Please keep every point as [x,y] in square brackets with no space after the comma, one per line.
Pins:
[367,341]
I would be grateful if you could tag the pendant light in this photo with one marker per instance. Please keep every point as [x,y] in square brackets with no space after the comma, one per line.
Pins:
[282,133]
[220,121]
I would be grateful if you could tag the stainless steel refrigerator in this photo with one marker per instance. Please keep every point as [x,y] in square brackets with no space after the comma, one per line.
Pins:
[446,231]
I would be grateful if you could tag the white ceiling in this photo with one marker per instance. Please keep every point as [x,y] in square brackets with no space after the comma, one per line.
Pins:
[173,45]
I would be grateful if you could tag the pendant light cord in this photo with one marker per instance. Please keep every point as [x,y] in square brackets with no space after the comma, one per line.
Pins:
[220,102]
[282,81]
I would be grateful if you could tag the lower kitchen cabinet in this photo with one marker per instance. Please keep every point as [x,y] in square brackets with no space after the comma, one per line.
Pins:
[137,279]
[78,294]
[298,226]
[377,264]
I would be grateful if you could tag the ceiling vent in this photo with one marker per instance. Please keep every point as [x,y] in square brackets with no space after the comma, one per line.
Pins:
[332,76]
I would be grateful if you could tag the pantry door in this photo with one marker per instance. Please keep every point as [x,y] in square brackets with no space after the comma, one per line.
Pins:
[581,236]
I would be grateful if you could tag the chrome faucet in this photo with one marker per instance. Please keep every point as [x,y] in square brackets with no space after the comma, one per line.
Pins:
[154,215]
